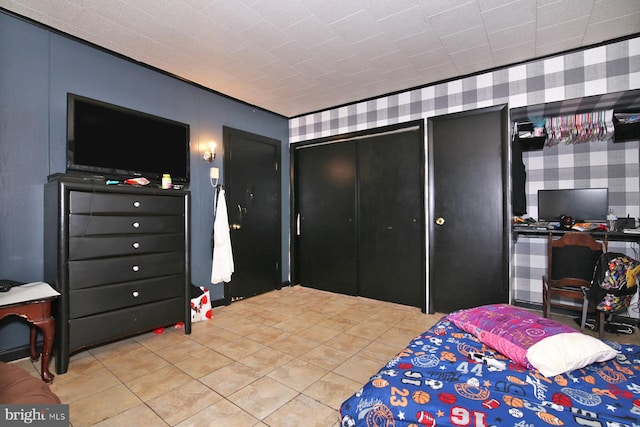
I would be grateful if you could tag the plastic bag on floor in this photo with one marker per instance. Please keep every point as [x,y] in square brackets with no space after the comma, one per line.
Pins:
[200,304]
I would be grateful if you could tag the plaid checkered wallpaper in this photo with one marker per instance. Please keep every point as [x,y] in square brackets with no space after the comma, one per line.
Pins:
[605,69]
[586,165]
[562,80]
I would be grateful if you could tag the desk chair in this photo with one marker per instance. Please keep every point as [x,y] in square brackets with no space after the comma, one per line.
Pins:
[571,260]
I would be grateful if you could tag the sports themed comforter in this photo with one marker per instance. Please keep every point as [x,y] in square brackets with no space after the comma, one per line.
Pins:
[446,377]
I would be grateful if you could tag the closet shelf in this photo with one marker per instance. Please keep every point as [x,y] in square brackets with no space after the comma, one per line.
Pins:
[620,102]
[627,126]
[529,136]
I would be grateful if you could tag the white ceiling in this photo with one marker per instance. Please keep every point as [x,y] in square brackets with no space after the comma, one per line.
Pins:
[298,56]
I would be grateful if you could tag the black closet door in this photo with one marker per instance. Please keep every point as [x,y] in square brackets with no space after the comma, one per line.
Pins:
[326,247]
[391,216]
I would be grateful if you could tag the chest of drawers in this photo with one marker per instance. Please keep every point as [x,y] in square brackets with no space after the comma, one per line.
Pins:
[119,256]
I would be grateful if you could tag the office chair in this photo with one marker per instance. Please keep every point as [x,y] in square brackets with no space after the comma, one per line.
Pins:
[571,260]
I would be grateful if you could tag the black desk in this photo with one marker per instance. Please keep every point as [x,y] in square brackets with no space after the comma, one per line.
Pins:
[598,235]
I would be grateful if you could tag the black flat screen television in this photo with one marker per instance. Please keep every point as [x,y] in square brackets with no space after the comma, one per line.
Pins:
[582,204]
[117,142]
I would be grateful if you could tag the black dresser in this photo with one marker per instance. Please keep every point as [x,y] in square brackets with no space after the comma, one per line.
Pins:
[119,255]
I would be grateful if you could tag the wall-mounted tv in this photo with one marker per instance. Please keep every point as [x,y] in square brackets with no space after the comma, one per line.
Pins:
[582,204]
[117,142]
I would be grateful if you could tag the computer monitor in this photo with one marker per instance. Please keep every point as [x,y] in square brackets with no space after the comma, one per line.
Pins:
[582,204]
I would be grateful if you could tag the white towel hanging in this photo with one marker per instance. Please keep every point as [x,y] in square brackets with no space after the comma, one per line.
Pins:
[222,264]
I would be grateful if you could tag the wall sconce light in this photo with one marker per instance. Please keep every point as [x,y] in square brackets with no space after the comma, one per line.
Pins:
[210,154]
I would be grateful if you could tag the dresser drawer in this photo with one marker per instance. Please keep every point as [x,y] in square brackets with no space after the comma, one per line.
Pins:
[96,272]
[109,246]
[128,321]
[86,302]
[83,225]
[133,204]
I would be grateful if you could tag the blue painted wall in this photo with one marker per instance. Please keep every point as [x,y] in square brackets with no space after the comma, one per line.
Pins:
[37,69]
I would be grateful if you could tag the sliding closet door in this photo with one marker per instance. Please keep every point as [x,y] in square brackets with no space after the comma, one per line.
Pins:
[326,246]
[391,217]
[359,203]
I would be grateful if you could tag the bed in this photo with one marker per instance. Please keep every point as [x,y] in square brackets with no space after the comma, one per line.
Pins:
[499,365]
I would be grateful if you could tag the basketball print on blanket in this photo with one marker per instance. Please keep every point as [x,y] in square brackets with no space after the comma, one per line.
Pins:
[435,381]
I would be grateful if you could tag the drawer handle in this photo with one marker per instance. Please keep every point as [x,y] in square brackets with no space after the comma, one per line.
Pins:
[136,204]
[136,245]
[135,268]
[136,225]
[136,294]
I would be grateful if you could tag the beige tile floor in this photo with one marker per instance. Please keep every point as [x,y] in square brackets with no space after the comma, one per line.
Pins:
[284,358]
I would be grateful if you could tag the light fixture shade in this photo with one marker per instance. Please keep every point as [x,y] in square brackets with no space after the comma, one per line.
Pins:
[210,154]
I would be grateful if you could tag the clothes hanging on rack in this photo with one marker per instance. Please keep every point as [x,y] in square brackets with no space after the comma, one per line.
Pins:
[222,266]
[579,128]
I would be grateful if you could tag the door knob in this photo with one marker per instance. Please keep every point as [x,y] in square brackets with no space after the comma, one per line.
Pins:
[440,220]
[235,226]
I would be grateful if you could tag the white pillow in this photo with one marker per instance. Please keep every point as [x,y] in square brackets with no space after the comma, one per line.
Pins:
[566,352]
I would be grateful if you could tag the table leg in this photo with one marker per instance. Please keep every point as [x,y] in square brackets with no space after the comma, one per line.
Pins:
[33,338]
[48,331]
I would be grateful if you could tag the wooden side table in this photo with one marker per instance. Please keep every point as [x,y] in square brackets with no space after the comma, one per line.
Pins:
[32,302]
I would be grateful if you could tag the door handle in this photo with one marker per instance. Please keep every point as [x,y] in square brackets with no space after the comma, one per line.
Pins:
[440,221]
[235,226]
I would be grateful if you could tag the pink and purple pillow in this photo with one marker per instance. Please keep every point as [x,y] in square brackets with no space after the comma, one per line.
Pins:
[524,337]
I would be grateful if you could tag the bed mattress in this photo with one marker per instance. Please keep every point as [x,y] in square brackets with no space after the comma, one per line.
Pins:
[435,381]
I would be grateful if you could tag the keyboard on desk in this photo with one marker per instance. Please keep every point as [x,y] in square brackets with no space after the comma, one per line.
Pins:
[540,225]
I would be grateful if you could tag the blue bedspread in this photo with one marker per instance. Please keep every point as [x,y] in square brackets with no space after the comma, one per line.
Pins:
[434,382]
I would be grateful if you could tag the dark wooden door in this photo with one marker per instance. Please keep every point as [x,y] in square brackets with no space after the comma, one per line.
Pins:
[391,217]
[252,186]
[467,231]
[325,224]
